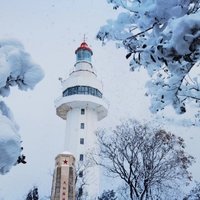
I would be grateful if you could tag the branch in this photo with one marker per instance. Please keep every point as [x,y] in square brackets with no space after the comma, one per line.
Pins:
[140,33]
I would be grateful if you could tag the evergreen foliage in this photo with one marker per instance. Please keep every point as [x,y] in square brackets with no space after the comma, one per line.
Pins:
[108,195]
[33,194]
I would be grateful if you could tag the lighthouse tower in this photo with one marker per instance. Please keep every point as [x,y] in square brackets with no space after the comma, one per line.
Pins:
[82,105]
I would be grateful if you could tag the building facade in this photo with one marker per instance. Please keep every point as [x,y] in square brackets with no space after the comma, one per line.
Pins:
[63,185]
[82,105]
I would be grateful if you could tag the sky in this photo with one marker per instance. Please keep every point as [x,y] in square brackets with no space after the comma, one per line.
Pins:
[50,31]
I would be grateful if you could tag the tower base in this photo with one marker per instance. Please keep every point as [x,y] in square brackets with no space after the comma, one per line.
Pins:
[63,185]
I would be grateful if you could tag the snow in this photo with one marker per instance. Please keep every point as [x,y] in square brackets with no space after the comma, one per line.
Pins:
[182,32]
[10,147]
[16,68]
[163,37]
[66,153]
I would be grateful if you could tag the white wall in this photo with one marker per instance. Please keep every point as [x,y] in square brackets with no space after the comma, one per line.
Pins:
[72,142]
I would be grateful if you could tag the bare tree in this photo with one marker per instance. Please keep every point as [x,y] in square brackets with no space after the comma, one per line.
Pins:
[150,161]
[80,181]
[194,193]
[83,174]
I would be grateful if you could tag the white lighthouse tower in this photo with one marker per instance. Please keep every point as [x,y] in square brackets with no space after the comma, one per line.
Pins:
[82,105]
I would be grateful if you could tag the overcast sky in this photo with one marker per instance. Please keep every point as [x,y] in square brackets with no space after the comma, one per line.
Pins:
[51,30]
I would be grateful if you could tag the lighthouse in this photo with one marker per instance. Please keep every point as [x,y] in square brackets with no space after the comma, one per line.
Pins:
[82,105]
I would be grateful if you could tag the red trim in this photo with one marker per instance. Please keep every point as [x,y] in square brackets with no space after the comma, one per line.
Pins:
[84,46]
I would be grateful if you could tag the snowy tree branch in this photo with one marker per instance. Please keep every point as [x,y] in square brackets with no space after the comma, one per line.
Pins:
[165,40]
[16,68]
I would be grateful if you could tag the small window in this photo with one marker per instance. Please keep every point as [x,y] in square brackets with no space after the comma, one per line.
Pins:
[81,157]
[81,140]
[82,111]
[80,192]
[82,125]
[80,174]
[79,89]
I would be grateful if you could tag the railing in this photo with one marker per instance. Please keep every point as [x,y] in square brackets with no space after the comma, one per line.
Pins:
[103,98]
[74,69]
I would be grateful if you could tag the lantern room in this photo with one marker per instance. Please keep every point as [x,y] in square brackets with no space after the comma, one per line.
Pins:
[83,53]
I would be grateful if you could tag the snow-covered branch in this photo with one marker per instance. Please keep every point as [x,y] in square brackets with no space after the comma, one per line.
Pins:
[16,68]
[147,159]
[165,41]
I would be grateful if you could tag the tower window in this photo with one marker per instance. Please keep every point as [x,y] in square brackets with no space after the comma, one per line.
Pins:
[80,192]
[81,140]
[83,55]
[82,125]
[80,174]
[83,90]
[81,157]
[82,111]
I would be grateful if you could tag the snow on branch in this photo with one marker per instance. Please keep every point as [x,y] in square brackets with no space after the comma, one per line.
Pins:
[164,38]
[16,69]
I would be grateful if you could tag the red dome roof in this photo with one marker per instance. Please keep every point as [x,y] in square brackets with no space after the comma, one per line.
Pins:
[84,46]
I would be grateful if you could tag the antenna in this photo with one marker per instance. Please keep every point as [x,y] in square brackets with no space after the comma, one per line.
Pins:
[84,38]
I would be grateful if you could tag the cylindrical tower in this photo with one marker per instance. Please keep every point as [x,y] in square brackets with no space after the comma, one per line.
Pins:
[82,105]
